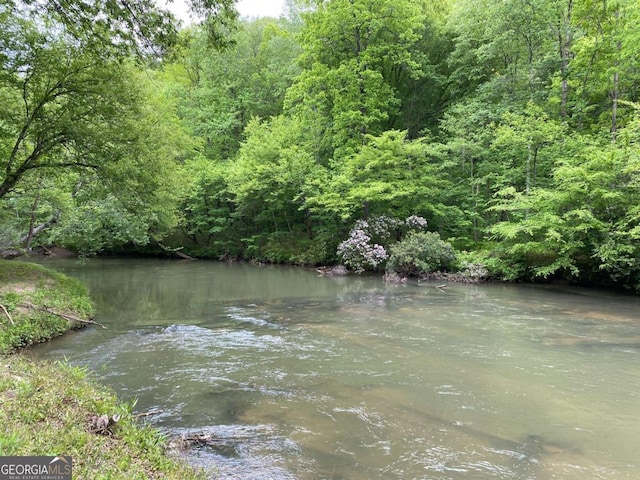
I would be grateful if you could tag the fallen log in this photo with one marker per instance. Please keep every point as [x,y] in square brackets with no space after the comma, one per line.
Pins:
[149,413]
[176,251]
[9,253]
[189,440]
[39,229]
[66,316]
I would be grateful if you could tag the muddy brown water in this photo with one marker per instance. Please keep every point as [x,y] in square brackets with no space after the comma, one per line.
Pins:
[298,376]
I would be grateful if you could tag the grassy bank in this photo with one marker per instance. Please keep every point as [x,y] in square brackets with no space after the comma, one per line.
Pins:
[37,304]
[55,409]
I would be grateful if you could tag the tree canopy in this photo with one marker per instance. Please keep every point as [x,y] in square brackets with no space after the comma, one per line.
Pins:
[74,117]
[511,127]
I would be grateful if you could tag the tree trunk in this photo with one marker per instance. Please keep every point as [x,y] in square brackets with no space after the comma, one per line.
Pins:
[565,39]
[615,93]
[33,231]
[32,221]
[528,173]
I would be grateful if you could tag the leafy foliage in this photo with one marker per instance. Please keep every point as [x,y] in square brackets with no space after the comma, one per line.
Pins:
[358,252]
[62,108]
[511,126]
[121,27]
[351,51]
[583,225]
[76,162]
[221,91]
[421,253]
[366,247]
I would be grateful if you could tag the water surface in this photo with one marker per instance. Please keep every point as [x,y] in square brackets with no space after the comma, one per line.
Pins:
[300,376]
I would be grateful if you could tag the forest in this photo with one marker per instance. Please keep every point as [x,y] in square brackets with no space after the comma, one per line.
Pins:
[407,136]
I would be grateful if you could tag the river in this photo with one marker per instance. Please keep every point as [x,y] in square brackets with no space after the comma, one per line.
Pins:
[294,375]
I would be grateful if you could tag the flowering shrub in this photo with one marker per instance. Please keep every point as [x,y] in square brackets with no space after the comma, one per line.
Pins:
[365,249]
[415,222]
[475,271]
[379,226]
[358,252]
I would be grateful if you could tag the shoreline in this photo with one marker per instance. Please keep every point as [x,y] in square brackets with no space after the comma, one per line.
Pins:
[51,408]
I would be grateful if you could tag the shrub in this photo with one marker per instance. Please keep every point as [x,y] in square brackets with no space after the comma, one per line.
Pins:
[474,271]
[366,247]
[473,265]
[292,248]
[420,253]
[358,252]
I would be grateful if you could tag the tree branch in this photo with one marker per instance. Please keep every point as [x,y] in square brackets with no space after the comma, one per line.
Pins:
[36,230]
[6,312]
[63,164]
[49,96]
[176,251]
[61,315]
[149,413]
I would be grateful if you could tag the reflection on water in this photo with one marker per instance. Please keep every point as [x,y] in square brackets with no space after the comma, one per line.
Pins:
[296,376]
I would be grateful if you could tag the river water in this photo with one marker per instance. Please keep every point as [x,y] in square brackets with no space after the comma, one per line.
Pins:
[299,376]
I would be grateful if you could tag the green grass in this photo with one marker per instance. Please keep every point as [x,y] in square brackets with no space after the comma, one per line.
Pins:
[51,408]
[40,304]
[47,410]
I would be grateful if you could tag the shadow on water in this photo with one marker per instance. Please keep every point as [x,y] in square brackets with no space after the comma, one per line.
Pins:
[229,405]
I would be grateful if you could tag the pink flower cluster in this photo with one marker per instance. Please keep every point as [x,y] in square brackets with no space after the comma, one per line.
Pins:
[358,252]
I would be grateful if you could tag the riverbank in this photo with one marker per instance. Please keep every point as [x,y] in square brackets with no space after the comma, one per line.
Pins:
[55,409]
[37,304]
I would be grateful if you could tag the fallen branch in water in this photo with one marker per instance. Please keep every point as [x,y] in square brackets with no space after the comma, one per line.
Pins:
[176,251]
[186,441]
[66,316]
[6,312]
[150,412]
[437,287]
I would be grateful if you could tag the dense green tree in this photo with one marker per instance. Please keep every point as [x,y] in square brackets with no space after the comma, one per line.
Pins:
[270,181]
[61,106]
[207,226]
[604,67]
[79,124]
[63,82]
[352,50]
[389,175]
[121,27]
[584,224]
[225,89]
[527,143]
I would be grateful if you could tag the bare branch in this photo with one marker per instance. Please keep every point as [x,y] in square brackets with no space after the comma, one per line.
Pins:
[6,312]
[66,316]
